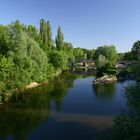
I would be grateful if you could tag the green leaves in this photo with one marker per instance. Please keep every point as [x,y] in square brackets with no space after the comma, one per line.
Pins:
[102,61]
[59,59]
[78,53]
[109,53]
[46,34]
[59,39]
[4,40]
[6,66]
[126,126]
[136,46]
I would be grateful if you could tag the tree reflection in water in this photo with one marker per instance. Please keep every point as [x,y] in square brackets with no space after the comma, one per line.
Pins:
[18,123]
[32,107]
[105,90]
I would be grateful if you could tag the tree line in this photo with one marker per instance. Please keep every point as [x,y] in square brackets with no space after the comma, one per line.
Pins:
[28,54]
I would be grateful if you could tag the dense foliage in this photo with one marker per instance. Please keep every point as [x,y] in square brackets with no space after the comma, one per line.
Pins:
[131,55]
[105,57]
[126,126]
[28,55]
[59,39]
[136,46]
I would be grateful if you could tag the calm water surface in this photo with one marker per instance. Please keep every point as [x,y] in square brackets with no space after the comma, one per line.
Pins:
[68,108]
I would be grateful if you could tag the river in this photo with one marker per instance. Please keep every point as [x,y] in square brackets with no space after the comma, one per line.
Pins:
[67,108]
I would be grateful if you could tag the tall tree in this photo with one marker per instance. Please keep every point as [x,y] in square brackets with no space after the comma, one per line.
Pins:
[49,35]
[43,30]
[46,34]
[59,39]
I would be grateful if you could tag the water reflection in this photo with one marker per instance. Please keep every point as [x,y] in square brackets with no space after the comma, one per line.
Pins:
[32,107]
[83,71]
[61,86]
[17,124]
[40,97]
[104,90]
[65,106]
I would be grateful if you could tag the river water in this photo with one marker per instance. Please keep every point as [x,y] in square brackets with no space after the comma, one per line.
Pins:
[67,108]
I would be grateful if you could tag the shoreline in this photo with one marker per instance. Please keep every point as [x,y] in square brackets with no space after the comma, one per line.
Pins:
[36,84]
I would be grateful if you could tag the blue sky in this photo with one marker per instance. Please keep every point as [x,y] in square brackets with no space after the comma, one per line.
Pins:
[85,23]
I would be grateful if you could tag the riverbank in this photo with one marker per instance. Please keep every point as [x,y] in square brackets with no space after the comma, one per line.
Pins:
[7,96]
[35,84]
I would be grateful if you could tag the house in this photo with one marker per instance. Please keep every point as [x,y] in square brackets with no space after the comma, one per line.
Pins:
[124,64]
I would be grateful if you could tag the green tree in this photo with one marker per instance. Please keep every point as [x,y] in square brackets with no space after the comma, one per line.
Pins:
[6,67]
[130,56]
[59,59]
[4,40]
[30,60]
[23,55]
[46,34]
[68,49]
[33,33]
[90,54]
[78,53]
[120,56]
[133,55]
[102,61]
[43,31]
[59,39]
[136,46]
[109,52]
[49,35]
